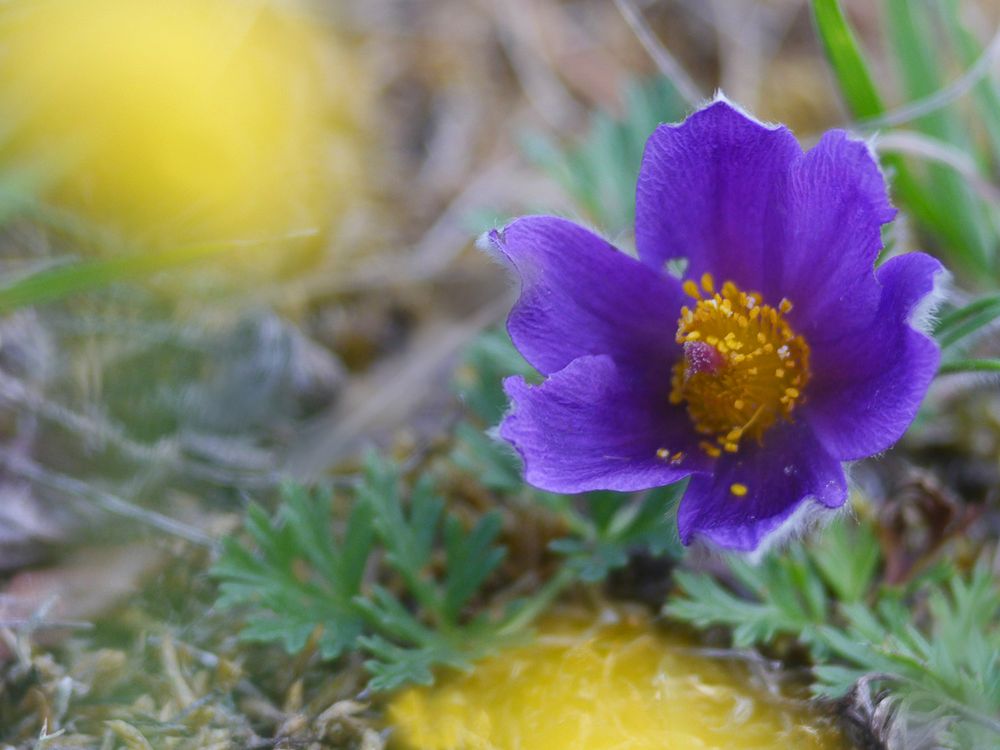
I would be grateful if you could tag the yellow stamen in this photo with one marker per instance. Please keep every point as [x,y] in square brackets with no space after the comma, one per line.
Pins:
[708,283]
[738,489]
[691,290]
[711,450]
[754,377]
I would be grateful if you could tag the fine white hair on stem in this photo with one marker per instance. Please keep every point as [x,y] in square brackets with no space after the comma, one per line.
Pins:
[666,62]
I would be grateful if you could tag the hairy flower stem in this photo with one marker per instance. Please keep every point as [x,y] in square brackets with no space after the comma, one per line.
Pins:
[540,602]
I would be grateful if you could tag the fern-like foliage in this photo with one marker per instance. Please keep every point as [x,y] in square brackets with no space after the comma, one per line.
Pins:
[935,645]
[296,578]
[613,525]
[305,576]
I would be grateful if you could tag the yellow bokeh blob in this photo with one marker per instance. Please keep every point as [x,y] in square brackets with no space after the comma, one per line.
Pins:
[621,685]
[183,120]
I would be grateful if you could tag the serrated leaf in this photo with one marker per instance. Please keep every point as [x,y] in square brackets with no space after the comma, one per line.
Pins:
[471,558]
[618,524]
[393,666]
[948,661]
[302,575]
[292,601]
[847,555]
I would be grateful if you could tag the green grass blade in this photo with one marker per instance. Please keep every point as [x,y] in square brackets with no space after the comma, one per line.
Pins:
[61,281]
[986,94]
[846,60]
[967,320]
[970,365]
[959,217]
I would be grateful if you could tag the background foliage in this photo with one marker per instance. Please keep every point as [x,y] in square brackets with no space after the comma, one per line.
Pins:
[174,408]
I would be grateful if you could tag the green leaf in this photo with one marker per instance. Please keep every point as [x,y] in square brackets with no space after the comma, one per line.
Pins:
[393,666]
[964,322]
[986,92]
[294,579]
[846,59]
[959,216]
[947,659]
[618,524]
[303,579]
[835,680]
[85,275]
[847,555]
[969,365]
[386,614]
[471,559]
[706,603]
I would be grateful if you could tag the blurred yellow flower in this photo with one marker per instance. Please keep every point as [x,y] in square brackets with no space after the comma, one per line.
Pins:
[583,685]
[183,120]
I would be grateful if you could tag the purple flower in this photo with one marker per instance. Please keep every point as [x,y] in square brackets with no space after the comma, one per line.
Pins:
[780,354]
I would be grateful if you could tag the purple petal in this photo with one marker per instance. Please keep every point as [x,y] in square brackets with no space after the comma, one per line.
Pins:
[594,426]
[708,190]
[829,237]
[789,474]
[579,296]
[868,385]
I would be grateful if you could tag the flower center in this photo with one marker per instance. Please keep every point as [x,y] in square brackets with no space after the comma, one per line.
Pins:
[743,366]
